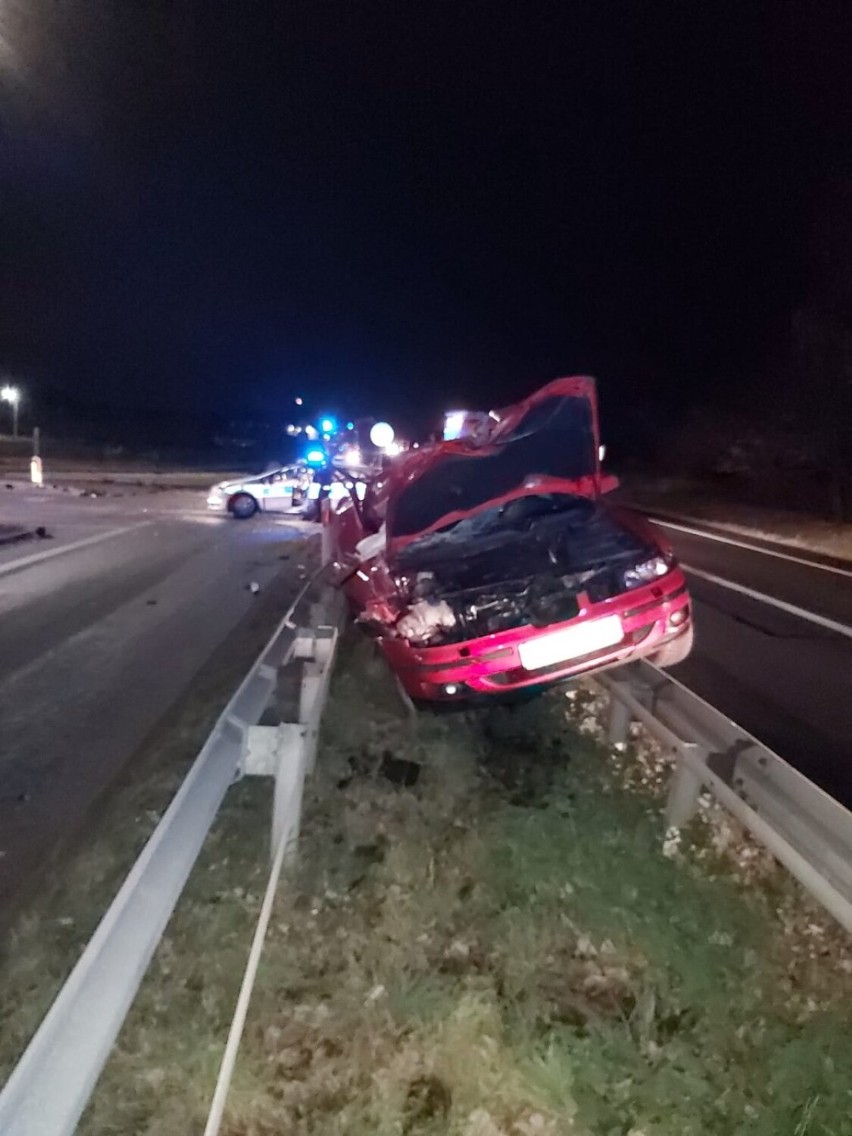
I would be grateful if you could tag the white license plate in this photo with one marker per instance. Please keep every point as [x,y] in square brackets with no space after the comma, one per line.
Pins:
[571,642]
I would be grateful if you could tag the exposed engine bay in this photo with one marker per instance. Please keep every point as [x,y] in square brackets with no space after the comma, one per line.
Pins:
[525,562]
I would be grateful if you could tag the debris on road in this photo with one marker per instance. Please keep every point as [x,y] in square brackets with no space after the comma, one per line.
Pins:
[11,534]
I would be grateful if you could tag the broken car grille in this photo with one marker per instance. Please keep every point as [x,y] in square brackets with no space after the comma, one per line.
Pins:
[526,563]
[535,601]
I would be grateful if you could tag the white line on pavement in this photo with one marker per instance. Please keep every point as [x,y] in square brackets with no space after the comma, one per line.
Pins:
[801,560]
[48,554]
[791,609]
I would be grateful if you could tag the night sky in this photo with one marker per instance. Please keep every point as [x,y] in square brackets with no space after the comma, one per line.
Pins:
[401,204]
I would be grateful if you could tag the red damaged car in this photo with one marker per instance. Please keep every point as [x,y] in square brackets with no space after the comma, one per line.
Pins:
[492,564]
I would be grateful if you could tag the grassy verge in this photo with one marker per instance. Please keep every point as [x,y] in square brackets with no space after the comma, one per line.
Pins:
[42,938]
[500,949]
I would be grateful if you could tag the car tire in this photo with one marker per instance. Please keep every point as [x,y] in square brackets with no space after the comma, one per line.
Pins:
[243,506]
[674,652]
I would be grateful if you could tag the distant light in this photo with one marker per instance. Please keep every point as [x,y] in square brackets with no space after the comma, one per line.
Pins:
[352,456]
[451,688]
[10,394]
[315,457]
[328,425]
[326,437]
[381,435]
[350,425]
[298,402]
[393,449]
[312,432]
[454,425]
[601,452]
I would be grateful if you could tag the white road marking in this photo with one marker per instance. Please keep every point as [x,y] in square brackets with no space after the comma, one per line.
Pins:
[801,560]
[761,597]
[48,554]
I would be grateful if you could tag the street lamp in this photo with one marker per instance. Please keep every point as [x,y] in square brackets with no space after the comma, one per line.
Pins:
[13,396]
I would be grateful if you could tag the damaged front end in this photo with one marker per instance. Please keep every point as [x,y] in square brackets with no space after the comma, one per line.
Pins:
[534,561]
[502,566]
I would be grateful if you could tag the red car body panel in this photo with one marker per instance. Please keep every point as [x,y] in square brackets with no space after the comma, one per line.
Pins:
[415,464]
[446,488]
[491,665]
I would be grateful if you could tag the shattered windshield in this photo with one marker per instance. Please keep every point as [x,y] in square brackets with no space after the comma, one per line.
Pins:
[555,439]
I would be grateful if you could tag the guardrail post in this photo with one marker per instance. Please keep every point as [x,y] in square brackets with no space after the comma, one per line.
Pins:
[685,788]
[618,727]
[289,784]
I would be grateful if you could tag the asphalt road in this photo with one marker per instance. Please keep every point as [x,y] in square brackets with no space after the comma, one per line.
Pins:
[785,678]
[104,624]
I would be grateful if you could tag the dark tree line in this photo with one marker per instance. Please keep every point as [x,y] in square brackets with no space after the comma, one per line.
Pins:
[787,441]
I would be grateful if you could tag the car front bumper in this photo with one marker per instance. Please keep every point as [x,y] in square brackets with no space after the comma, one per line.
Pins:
[217,503]
[649,616]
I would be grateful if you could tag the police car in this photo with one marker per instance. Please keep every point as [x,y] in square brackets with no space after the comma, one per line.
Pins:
[291,489]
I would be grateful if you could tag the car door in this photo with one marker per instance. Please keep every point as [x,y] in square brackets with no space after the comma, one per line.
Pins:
[277,491]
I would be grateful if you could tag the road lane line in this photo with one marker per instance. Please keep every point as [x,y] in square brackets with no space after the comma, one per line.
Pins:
[48,554]
[761,597]
[800,560]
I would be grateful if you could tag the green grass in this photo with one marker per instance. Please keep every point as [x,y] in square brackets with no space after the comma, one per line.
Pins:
[500,951]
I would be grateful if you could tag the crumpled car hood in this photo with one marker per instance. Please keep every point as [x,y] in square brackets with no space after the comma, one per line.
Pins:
[548,443]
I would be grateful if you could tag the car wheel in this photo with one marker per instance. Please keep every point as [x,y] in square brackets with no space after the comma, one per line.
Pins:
[670,654]
[243,506]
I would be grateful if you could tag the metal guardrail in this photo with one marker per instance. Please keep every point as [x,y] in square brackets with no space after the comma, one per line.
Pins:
[52,1083]
[805,829]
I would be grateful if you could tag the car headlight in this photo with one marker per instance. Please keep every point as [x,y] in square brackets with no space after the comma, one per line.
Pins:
[647,571]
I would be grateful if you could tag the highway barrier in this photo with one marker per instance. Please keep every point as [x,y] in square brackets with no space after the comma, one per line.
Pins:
[51,1085]
[270,728]
[803,827]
